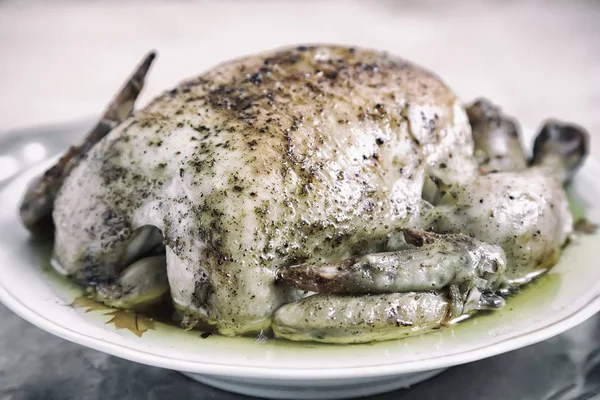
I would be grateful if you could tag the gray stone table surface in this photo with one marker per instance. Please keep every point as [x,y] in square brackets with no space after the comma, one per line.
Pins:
[35,365]
[62,60]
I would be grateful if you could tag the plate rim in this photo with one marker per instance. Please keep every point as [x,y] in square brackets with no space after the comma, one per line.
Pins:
[590,308]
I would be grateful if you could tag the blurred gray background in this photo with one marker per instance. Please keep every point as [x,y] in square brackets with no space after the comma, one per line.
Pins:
[62,60]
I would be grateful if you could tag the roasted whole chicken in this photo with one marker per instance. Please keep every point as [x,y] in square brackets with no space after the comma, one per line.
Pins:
[320,193]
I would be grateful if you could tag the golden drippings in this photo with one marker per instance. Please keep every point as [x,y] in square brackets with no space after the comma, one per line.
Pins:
[136,324]
[89,304]
[121,319]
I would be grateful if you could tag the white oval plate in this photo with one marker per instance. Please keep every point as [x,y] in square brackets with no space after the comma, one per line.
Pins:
[556,302]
